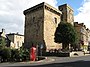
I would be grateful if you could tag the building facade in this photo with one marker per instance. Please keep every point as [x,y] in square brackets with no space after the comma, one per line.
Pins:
[41,22]
[88,38]
[16,40]
[83,34]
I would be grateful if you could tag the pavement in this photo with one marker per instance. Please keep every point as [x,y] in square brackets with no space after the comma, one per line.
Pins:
[55,61]
[31,63]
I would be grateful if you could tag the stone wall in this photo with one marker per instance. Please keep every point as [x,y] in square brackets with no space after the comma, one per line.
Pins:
[76,53]
[51,21]
[34,27]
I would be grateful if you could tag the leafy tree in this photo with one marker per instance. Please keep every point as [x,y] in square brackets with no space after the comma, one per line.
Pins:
[65,34]
[2,42]
[4,51]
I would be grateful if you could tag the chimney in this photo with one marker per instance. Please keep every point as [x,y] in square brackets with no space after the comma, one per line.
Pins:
[3,30]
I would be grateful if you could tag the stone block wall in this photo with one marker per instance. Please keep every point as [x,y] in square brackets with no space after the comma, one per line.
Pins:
[51,21]
[34,27]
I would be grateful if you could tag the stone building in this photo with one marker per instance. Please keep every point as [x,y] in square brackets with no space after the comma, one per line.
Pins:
[88,38]
[67,13]
[16,40]
[83,35]
[40,25]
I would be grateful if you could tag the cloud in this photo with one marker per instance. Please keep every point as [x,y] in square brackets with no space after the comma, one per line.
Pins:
[11,13]
[84,14]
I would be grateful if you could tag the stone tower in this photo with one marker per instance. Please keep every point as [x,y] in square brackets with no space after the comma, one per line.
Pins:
[40,25]
[67,13]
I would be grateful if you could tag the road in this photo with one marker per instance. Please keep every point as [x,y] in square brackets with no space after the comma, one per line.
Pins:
[54,62]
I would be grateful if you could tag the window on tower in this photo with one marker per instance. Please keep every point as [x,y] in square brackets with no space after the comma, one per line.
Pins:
[61,17]
[33,19]
[55,20]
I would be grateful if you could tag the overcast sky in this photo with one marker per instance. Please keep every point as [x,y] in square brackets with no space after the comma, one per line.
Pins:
[12,18]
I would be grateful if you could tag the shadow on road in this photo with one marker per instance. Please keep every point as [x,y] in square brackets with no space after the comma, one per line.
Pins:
[65,64]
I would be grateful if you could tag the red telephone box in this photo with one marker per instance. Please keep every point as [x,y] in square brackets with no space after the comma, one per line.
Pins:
[32,53]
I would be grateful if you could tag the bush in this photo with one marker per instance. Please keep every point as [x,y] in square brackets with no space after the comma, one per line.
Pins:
[19,55]
[5,54]
[24,54]
[14,55]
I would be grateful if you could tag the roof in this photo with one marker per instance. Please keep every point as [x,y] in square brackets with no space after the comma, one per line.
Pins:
[0,32]
[41,5]
[15,34]
[67,6]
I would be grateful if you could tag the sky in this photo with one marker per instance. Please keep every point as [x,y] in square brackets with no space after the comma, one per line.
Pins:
[12,18]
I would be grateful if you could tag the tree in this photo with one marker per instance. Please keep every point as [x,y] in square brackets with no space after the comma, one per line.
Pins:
[65,34]
[2,42]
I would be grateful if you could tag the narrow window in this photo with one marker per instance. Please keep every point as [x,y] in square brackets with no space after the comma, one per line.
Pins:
[55,19]
[17,44]
[33,19]
[61,17]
